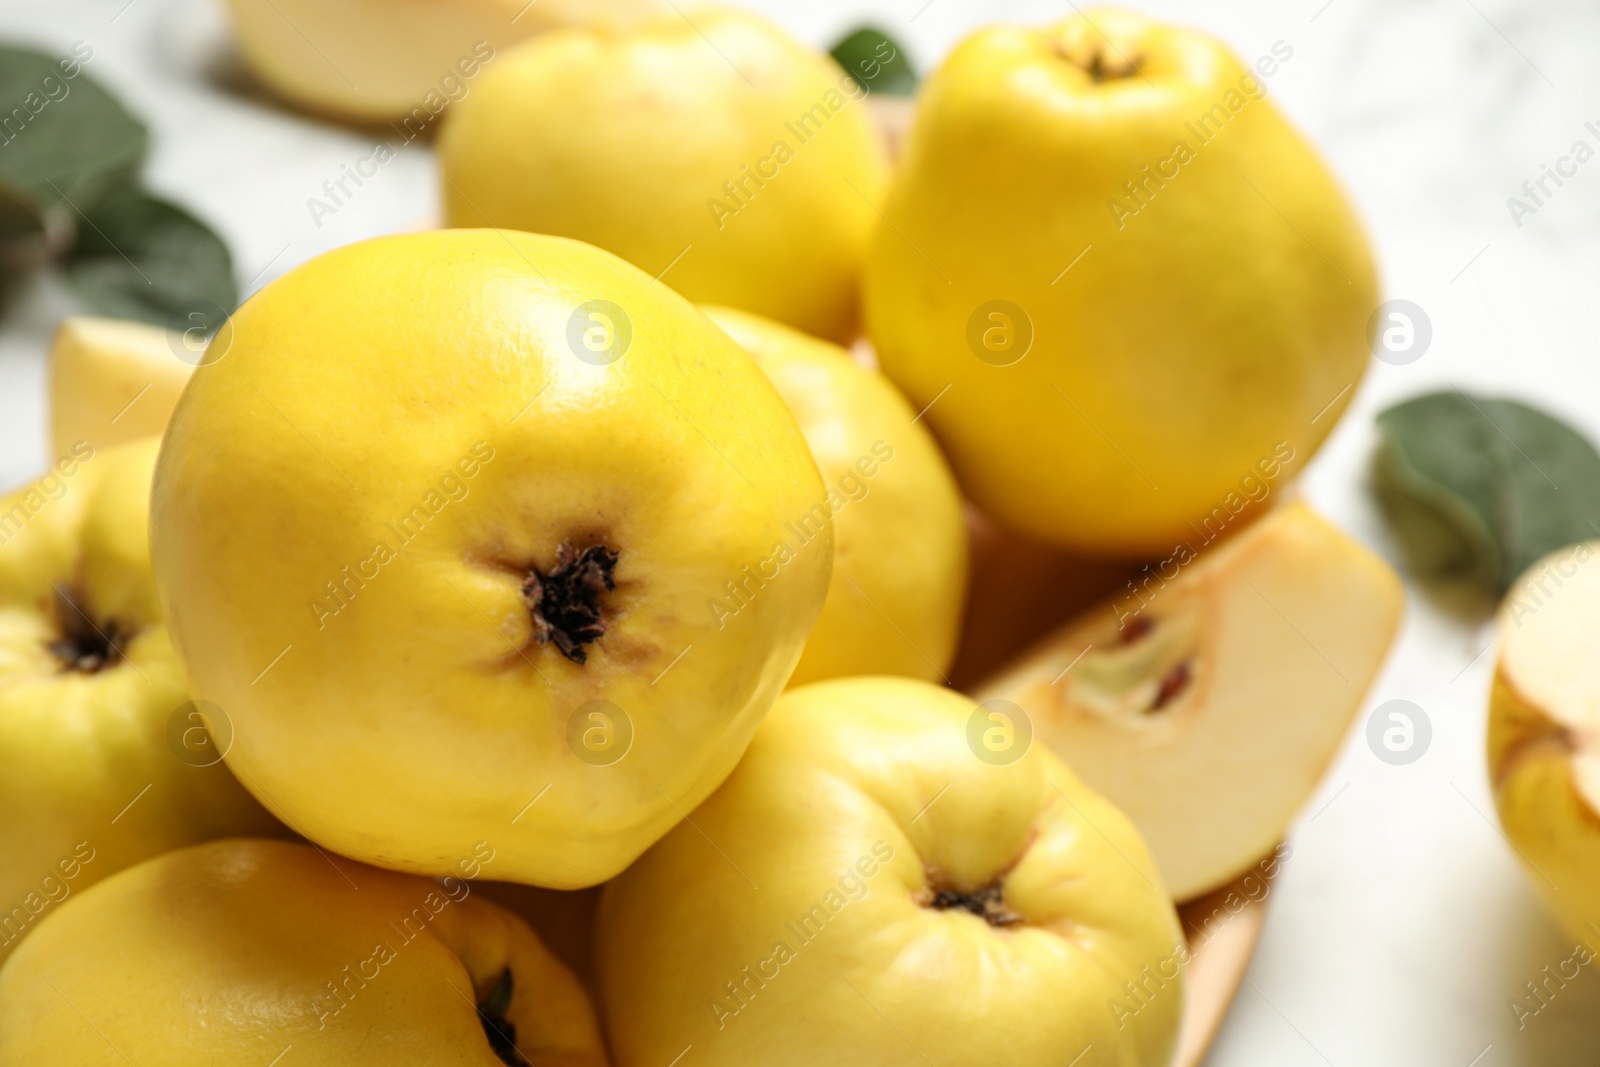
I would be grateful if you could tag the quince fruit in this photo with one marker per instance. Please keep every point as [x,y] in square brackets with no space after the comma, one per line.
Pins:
[711,150]
[878,884]
[241,951]
[899,539]
[563,919]
[112,381]
[1544,733]
[440,531]
[103,757]
[1124,277]
[377,60]
[1207,700]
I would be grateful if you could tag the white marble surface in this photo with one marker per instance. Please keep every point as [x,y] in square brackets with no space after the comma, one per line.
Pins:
[1401,927]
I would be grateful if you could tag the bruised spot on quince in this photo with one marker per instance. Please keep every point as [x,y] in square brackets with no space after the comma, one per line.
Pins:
[566,602]
[83,644]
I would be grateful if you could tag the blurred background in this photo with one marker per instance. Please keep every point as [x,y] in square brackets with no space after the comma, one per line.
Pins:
[1401,930]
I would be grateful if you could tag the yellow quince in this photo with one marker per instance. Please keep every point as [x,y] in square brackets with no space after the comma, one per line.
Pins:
[104,760]
[440,530]
[1128,282]
[891,876]
[712,150]
[246,951]
[900,542]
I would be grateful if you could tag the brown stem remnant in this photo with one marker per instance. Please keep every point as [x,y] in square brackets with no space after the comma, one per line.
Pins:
[565,603]
[988,904]
[1104,67]
[497,1028]
[1101,60]
[82,644]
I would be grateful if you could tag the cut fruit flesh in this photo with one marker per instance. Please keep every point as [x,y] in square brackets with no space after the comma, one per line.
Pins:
[1548,625]
[1544,732]
[112,381]
[1207,706]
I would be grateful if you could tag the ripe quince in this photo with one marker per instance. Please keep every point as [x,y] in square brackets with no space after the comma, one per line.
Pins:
[890,876]
[243,951]
[899,538]
[441,531]
[711,150]
[104,759]
[1121,279]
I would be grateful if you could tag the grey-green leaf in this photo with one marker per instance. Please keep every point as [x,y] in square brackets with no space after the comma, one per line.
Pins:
[140,257]
[876,61]
[22,229]
[1478,489]
[62,136]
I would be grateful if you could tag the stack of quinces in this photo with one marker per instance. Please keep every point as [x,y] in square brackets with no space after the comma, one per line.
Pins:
[567,548]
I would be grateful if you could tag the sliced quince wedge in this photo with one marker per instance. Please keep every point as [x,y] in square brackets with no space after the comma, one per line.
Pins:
[1207,699]
[1544,732]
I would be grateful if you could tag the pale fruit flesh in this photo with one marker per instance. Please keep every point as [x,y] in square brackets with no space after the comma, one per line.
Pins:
[1544,733]
[1207,704]
[241,950]
[113,380]
[899,540]
[866,889]
[377,60]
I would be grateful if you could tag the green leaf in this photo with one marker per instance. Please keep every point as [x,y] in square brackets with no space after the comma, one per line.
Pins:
[20,218]
[23,242]
[62,136]
[139,257]
[1479,489]
[876,61]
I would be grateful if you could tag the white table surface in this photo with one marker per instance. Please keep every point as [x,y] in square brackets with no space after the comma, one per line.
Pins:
[1402,926]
